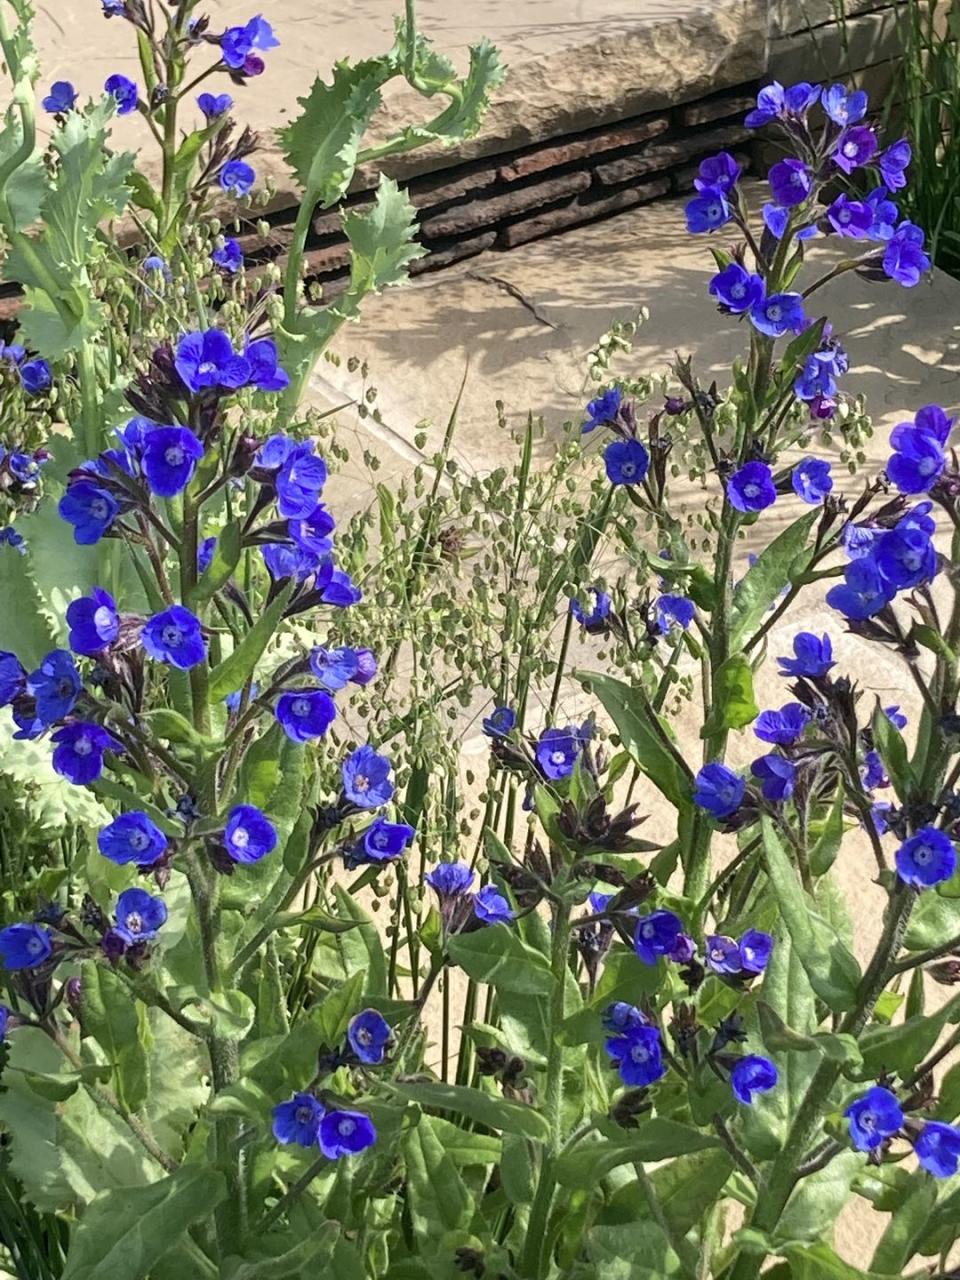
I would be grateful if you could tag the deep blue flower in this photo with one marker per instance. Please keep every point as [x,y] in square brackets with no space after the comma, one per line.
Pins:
[800,97]
[893,164]
[721,953]
[929,857]
[736,289]
[707,211]
[4,1019]
[24,946]
[874,1116]
[155,265]
[855,146]
[12,352]
[55,686]
[626,461]
[300,482]
[273,453]
[752,488]
[932,420]
[499,722]
[265,371]
[557,751]
[286,561]
[114,8]
[918,459]
[366,667]
[13,677]
[638,1056]
[790,181]
[450,879]
[771,105]
[602,411]
[777,314]
[886,215]
[491,907]
[249,834]
[306,714]
[337,587]
[621,1016]
[863,592]
[205,554]
[169,459]
[124,91]
[811,480]
[905,557]
[720,172]
[843,106]
[228,256]
[873,774]
[938,1148]
[816,383]
[673,611]
[61,98]
[718,790]
[132,837]
[777,776]
[174,636]
[656,935]
[366,778]
[90,509]
[80,747]
[813,656]
[853,218]
[25,468]
[93,622]
[313,534]
[35,376]
[783,727]
[368,1034]
[207,360]
[214,104]
[384,840]
[345,1133]
[237,43]
[904,259]
[752,1075]
[777,219]
[593,612]
[896,717]
[11,537]
[237,177]
[140,915]
[298,1120]
[755,950]
[334,668]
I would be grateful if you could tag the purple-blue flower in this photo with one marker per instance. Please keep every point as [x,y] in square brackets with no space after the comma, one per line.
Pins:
[756,948]
[214,104]
[896,717]
[776,220]
[873,773]
[313,533]
[169,459]
[80,747]
[626,461]
[174,636]
[656,935]
[265,371]
[345,1133]
[384,840]
[777,314]
[93,622]
[305,714]
[13,677]
[938,1148]
[853,218]
[721,953]
[918,459]
[863,592]
[638,1056]
[557,751]
[237,43]
[783,727]
[155,265]
[298,1120]
[813,656]
[893,164]
[499,722]
[55,686]
[124,91]
[771,105]
[720,172]
[286,561]
[673,611]
[904,259]
[603,410]
[24,946]
[491,907]
[300,481]
[61,98]
[140,915]
[450,879]
[207,361]
[366,778]
[334,668]
[737,289]
[927,858]
[718,790]
[35,376]
[132,837]
[790,181]
[886,215]
[752,1075]
[592,612]
[249,834]
[856,146]
[228,256]
[621,1016]
[707,211]
[777,776]
[872,1117]
[905,557]
[752,488]
[843,106]
[368,1034]
[237,177]
[811,480]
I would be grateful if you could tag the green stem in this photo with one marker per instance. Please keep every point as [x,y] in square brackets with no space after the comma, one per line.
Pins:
[685,1252]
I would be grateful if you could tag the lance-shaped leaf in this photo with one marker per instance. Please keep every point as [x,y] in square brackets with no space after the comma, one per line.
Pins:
[734,706]
[113,1019]
[774,569]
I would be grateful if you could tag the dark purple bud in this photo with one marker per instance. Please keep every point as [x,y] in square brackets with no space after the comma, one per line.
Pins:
[946,972]
[74,990]
[114,945]
[674,405]
[684,949]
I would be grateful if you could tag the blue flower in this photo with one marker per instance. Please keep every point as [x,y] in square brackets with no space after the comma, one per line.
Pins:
[874,1116]
[384,840]
[843,106]
[673,611]
[736,289]
[93,622]
[345,1133]
[771,105]
[4,1019]
[155,265]
[25,468]
[938,1148]
[917,461]
[752,488]
[174,636]
[656,935]
[11,537]
[80,747]
[208,361]
[932,420]
[626,461]
[783,727]
[500,722]
[237,43]
[285,561]
[852,218]
[777,776]
[114,8]
[557,751]
[299,482]
[720,172]
[811,480]
[169,459]
[752,1075]
[777,219]
[638,1056]
[205,554]
[334,668]
[366,666]
[886,215]
[306,714]
[893,164]
[873,774]
[265,371]
[124,91]
[232,700]
[929,857]
[140,916]
[813,656]
[778,314]
[904,259]
[707,211]
[132,837]
[896,717]
[366,778]
[229,255]
[790,181]
[61,98]
[491,907]
[35,376]
[621,1016]
[755,950]
[214,104]
[368,1034]
[237,177]
[855,146]
[450,879]
[721,953]
[55,686]
[905,557]
[24,946]
[602,411]
[13,677]
[249,834]
[338,588]
[718,790]
[313,533]
[799,98]
[298,1120]
[863,592]
[594,612]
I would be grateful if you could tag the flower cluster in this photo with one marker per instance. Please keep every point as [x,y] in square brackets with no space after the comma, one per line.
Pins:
[305,1121]
[461,910]
[877,1117]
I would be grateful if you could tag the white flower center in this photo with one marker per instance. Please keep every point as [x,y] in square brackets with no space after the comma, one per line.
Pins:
[139,840]
[99,509]
[751,490]
[83,746]
[174,456]
[775,312]
[628,468]
[300,707]
[134,922]
[922,855]
[206,367]
[171,635]
[927,466]
[639,1053]
[346,1127]
[240,837]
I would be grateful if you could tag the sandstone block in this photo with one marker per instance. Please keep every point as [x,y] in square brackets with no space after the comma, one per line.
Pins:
[580,211]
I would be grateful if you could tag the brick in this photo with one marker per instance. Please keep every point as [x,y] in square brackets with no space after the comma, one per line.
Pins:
[455,252]
[595,143]
[320,262]
[330,222]
[441,188]
[482,213]
[579,211]
[710,109]
[668,154]
[277,242]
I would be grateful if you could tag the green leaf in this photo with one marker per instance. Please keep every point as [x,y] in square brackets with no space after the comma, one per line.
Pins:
[314,918]
[829,837]
[817,1200]
[226,557]
[123,1234]
[495,1113]
[516,1169]
[775,568]
[438,1200]
[933,921]
[901,1047]
[165,723]
[645,743]
[893,752]
[778,1037]
[799,349]
[434,73]
[624,977]
[655,1139]
[233,671]
[376,964]
[948,1096]
[110,1015]
[498,956]
[304,1259]
[634,1251]
[734,705]
[260,770]
[687,1186]
[906,1227]
[820,1262]
[833,971]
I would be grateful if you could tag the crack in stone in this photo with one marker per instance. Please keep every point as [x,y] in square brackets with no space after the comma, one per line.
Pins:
[514,292]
